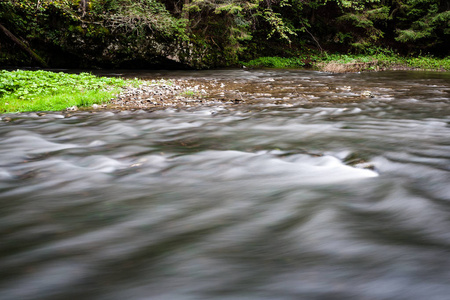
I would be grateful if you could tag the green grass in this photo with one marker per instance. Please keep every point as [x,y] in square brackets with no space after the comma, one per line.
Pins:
[383,59]
[388,61]
[189,93]
[429,63]
[22,91]
[276,62]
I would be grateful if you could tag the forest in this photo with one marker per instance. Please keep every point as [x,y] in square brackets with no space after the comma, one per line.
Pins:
[214,33]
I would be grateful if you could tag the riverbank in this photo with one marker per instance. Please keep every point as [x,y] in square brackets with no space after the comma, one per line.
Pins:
[174,93]
[26,91]
[347,63]
[40,90]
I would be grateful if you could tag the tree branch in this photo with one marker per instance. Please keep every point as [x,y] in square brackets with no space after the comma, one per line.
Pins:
[23,46]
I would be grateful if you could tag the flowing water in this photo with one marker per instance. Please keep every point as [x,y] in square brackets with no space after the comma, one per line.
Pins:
[307,190]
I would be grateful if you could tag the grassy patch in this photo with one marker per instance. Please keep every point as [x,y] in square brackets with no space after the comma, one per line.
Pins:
[341,63]
[276,62]
[49,91]
[189,93]
[429,63]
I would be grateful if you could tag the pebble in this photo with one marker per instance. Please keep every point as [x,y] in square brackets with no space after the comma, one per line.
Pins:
[161,94]
[367,94]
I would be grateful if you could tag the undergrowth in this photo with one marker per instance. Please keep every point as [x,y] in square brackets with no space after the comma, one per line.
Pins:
[390,60]
[49,91]
[383,60]
[276,62]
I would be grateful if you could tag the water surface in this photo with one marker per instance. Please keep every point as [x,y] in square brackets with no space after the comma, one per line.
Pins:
[308,190]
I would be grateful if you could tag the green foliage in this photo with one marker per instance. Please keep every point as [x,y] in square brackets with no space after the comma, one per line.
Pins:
[276,62]
[214,33]
[9,104]
[277,25]
[30,83]
[428,63]
[217,31]
[190,93]
[42,90]
[104,32]
[362,22]
[387,59]
[376,59]
[135,16]
[357,5]
[425,23]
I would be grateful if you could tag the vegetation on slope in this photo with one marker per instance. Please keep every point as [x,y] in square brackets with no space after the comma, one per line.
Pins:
[204,34]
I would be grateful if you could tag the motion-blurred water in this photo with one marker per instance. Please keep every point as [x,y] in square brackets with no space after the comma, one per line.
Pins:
[308,191]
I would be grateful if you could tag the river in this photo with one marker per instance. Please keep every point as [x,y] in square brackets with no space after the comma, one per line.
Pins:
[317,186]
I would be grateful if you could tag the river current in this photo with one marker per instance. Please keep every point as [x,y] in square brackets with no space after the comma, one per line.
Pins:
[307,190]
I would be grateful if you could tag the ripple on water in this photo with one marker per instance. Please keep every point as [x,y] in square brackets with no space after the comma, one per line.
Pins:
[237,201]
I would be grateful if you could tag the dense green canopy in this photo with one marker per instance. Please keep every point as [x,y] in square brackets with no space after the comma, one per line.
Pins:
[210,33]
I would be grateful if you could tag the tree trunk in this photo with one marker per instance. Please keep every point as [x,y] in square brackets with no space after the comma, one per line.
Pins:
[186,10]
[23,46]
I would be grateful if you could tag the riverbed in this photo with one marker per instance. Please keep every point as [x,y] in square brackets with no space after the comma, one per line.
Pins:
[285,184]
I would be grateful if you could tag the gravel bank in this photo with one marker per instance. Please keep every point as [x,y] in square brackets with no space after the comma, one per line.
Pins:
[173,93]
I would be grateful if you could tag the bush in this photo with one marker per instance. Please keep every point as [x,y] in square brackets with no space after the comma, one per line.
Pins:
[276,62]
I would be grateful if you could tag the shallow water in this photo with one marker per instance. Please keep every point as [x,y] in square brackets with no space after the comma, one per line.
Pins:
[306,191]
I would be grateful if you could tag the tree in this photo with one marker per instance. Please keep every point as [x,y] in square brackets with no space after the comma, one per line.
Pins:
[423,24]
